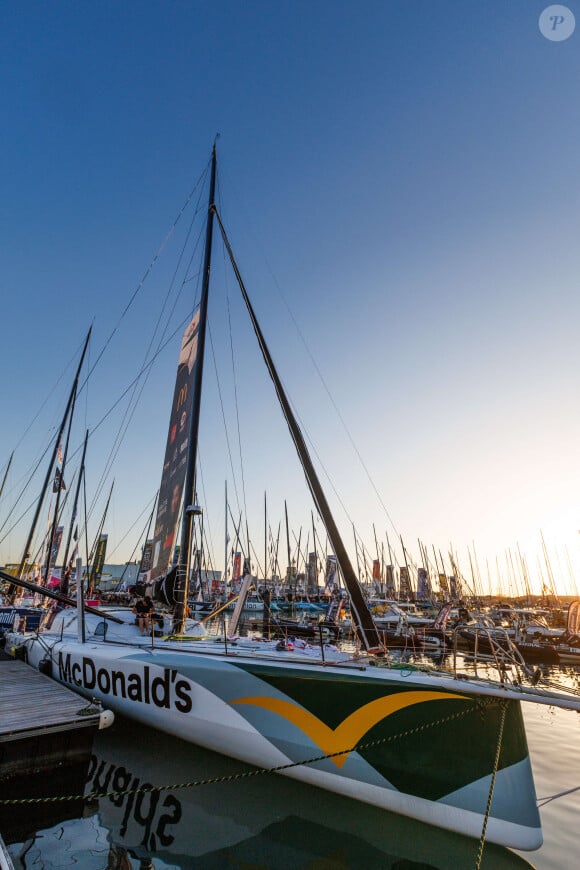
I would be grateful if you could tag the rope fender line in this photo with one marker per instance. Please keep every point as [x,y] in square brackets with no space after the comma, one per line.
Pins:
[491,786]
[542,802]
[479,707]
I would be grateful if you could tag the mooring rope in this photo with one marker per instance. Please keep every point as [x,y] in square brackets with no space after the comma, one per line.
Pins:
[491,786]
[259,771]
[542,802]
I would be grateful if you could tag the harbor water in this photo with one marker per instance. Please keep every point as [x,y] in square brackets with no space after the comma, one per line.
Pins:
[217,813]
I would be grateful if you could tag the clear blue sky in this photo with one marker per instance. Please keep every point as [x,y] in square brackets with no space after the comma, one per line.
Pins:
[402,176]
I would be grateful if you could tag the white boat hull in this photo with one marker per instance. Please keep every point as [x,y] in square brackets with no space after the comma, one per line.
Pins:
[296,715]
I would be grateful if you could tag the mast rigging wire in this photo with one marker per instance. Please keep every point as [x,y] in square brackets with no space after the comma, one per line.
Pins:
[148,271]
[319,373]
[135,398]
[92,368]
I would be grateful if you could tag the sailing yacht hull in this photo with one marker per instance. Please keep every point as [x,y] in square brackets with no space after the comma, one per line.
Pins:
[414,745]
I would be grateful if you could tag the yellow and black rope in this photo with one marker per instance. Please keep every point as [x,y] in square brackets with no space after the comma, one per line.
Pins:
[259,771]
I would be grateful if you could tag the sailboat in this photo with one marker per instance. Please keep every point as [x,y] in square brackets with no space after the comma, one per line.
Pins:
[436,746]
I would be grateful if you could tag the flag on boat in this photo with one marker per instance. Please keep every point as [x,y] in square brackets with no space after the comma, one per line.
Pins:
[391,581]
[175,461]
[443,585]
[573,624]
[330,574]
[423,585]
[58,482]
[236,572]
[311,575]
[377,575]
[146,556]
[99,560]
[404,583]
[54,549]
[443,616]
[145,567]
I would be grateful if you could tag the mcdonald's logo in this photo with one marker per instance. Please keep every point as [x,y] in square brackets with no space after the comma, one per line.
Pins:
[182,397]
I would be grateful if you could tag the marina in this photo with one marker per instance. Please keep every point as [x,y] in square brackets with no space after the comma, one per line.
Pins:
[319,713]
[289,474]
[230,818]
[331,705]
[410,661]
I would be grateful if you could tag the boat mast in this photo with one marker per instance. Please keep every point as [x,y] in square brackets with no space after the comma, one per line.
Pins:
[265,541]
[145,549]
[76,501]
[94,549]
[226,539]
[315,551]
[59,482]
[189,488]
[362,615]
[25,555]
[288,556]
[4,479]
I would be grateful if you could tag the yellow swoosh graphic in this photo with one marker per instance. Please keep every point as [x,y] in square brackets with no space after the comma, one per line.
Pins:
[350,730]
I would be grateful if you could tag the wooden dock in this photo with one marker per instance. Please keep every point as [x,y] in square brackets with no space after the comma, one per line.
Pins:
[43,725]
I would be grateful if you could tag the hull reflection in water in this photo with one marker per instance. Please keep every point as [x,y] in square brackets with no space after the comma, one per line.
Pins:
[262,821]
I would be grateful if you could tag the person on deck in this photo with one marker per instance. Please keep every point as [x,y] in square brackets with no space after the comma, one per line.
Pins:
[144,610]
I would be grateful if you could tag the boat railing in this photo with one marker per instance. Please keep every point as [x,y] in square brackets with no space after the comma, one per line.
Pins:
[229,647]
[503,653]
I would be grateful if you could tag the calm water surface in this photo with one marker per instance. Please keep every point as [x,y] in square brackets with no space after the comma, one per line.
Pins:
[271,822]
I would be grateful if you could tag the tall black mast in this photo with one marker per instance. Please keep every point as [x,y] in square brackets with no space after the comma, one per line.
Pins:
[288,556]
[59,482]
[2,485]
[189,488]
[73,392]
[76,501]
[94,548]
[362,615]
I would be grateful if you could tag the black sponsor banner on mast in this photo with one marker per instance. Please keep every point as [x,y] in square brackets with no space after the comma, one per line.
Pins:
[423,585]
[330,574]
[147,553]
[175,462]
[145,568]
[404,583]
[99,559]
[312,574]
[53,555]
